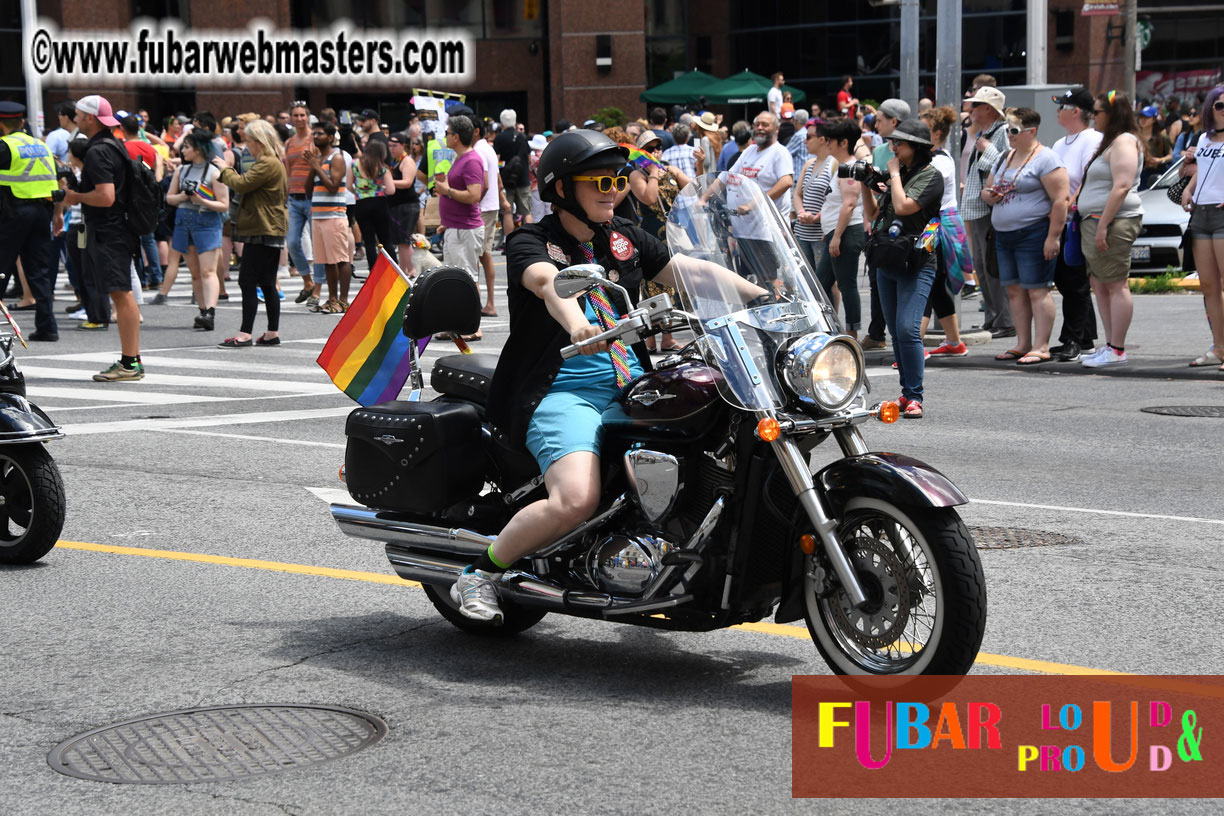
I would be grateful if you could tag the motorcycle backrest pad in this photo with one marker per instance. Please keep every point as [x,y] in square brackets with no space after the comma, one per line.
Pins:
[418,457]
[443,299]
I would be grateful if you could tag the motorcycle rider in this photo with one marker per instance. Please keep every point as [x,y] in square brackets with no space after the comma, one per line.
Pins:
[551,405]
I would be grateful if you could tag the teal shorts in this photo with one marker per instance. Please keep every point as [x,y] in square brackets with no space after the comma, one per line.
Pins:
[569,421]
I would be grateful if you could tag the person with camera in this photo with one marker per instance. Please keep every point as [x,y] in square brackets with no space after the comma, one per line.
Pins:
[904,272]
[1028,194]
[841,224]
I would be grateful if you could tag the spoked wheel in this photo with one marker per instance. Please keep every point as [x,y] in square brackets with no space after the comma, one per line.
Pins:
[31,503]
[926,609]
[516,618]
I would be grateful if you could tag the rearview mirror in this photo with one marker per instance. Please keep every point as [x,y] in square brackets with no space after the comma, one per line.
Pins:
[578,280]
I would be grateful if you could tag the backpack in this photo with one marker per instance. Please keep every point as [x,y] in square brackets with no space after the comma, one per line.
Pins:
[145,198]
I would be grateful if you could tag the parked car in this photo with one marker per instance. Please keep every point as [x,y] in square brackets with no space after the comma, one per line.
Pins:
[1164,223]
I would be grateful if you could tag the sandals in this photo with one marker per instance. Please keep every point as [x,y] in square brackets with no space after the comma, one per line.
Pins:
[1009,355]
[330,307]
[1208,359]
[488,313]
[1033,358]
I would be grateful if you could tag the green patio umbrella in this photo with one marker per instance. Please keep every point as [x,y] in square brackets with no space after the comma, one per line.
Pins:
[745,88]
[688,87]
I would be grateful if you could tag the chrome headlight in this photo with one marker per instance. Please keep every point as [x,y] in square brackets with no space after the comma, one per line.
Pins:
[824,369]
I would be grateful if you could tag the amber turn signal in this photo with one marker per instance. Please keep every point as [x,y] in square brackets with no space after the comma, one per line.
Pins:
[807,543]
[768,429]
[342,474]
[888,412]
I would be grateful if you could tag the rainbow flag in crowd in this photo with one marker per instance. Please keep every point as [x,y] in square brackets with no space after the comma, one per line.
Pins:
[640,158]
[367,354]
[206,192]
[927,239]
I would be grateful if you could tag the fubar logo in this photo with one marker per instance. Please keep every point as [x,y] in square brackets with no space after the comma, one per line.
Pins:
[999,736]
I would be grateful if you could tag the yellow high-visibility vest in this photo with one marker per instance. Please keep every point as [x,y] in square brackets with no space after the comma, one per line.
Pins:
[31,170]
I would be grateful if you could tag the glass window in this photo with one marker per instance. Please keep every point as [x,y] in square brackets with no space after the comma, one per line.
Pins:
[162,9]
[665,59]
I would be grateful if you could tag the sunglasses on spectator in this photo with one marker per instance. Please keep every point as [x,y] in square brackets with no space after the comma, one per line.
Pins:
[1219,105]
[606,184]
[1014,130]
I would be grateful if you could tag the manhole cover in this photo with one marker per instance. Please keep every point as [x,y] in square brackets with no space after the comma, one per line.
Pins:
[1186,410]
[1011,538]
[219,744]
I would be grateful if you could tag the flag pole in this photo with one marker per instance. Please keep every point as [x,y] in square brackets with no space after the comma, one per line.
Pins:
[416,348]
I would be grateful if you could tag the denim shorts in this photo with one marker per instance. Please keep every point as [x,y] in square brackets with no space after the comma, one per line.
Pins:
[193,228]
[1021,256]
[1207,221]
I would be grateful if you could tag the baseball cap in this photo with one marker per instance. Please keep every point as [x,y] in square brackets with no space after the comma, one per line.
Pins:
[368,113]
[1079,96]
[97,106]
[1150,111]
[987,95]
[895,109]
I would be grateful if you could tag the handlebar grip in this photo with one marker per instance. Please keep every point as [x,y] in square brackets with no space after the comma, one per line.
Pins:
[570,351]
[603,337]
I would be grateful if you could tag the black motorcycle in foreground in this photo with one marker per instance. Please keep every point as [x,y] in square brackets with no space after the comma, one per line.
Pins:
[711,515]
[31,490]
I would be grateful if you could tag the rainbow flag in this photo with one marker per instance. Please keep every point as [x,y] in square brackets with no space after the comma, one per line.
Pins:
[927,239]
[640,158]
[367,354]
[206,192]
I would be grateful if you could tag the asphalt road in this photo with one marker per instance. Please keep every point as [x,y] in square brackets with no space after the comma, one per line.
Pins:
[232,454]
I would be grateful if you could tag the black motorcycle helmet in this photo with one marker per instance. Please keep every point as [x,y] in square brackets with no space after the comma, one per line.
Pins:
[576,152]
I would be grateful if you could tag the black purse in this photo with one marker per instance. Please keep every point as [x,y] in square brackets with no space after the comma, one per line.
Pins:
[1175,190]
[886,251]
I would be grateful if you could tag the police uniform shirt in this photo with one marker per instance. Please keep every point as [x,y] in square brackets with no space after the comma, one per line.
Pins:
[532,354]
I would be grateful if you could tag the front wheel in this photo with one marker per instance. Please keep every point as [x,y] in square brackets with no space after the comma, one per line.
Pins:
[515,618]
[926,609]
[31,503]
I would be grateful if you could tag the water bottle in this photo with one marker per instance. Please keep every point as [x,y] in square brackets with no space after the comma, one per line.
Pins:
[894,229]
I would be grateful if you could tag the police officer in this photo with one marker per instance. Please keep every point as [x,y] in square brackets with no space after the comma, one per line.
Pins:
[27,187]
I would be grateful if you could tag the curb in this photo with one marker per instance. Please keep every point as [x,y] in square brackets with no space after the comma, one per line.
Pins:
[1187,284]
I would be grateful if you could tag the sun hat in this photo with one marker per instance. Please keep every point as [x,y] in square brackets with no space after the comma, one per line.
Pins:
[987,95]
[646,138]
[912,130]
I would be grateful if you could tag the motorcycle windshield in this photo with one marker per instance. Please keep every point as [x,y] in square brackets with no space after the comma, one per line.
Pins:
[727,220]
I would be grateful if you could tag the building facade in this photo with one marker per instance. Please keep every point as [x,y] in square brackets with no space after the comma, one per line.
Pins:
[549,59]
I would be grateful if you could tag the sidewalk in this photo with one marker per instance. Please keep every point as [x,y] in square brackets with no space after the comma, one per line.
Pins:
[1167,332]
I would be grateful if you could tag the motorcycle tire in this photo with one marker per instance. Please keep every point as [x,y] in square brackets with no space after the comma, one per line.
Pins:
[515,619]
[31,503]
[934,551]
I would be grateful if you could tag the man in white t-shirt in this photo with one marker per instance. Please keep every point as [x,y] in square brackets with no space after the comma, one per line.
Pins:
[769,165]
[1076,150]
[773,99]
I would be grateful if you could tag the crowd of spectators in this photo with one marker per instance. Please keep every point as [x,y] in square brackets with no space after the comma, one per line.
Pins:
[318,192]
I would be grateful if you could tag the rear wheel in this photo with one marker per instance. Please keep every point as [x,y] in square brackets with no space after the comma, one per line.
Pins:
[515,618]
[31,503]
[926,610]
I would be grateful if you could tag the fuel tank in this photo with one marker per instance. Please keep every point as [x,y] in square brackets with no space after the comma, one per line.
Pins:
[678,401]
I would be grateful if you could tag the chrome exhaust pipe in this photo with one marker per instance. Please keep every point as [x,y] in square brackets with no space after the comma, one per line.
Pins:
[518,587]
[362,522]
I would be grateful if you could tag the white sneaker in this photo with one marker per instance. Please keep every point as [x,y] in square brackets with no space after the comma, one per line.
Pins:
[79,314]
[1089,358]
[1106,357]
[476,596]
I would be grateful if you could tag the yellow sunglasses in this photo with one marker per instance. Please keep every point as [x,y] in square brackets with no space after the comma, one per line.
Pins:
[606,184]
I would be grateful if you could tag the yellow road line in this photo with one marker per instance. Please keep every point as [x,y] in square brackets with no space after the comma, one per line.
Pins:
[249,563]
[777,629]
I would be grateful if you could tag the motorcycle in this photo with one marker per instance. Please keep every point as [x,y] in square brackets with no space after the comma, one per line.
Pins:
[32,500]
[711,515]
